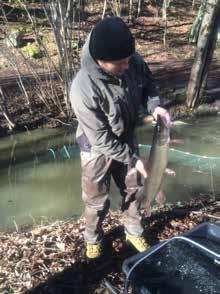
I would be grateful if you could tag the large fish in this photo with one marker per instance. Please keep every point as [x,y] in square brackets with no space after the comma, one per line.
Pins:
[157,162]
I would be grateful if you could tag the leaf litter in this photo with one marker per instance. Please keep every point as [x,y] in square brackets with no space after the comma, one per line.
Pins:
[51,258]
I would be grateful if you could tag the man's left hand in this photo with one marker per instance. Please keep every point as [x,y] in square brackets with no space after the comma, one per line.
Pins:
[163,113]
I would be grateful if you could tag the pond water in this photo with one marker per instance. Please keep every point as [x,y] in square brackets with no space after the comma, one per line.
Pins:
[40,171]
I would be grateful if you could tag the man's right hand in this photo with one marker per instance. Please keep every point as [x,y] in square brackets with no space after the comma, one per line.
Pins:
[141,166]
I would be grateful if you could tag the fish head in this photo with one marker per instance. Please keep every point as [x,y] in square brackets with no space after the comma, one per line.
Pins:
[163,131]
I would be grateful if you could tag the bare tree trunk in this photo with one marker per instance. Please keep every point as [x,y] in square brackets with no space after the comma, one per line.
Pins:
[166,4]
[139,7]
[193,4]
[61,14]
[204,53]
[130,10]
[104,9]
[3,106]
[194,32]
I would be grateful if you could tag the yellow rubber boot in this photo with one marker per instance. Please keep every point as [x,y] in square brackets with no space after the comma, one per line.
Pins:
[138,242]
[93,250]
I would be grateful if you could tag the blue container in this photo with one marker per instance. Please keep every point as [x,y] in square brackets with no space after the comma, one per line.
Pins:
[185,264]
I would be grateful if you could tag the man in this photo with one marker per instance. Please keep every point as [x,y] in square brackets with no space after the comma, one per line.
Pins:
[106,95]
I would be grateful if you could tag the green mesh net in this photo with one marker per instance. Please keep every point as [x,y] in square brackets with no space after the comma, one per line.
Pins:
[186,158]
[175,156]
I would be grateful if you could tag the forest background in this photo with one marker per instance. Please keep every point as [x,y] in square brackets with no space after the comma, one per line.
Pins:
[40,44]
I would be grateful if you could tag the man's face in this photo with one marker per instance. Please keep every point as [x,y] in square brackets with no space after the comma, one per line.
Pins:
[116,67]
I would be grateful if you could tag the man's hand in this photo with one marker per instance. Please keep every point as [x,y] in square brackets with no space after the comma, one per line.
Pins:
[161,197]
[170,172]
[163,113]
[147,209]
[141,166]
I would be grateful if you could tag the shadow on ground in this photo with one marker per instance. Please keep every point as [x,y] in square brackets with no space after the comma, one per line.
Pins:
[88,276]
[85,275]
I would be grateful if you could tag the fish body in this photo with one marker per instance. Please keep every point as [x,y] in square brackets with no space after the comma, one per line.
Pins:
[158,160]
[179,123]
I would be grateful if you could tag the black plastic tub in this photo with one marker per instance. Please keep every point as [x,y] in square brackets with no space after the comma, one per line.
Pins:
[185,264]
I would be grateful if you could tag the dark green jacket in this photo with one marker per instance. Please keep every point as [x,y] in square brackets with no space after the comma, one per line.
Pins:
[107,107]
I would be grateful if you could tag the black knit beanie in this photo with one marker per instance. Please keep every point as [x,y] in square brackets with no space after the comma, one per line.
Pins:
[111,40]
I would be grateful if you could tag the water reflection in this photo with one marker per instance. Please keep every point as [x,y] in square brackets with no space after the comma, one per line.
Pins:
[33,185]
[40,179]
[32,191]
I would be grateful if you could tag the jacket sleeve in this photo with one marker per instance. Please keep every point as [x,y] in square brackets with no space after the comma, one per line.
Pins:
[95,125]
[151,97]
